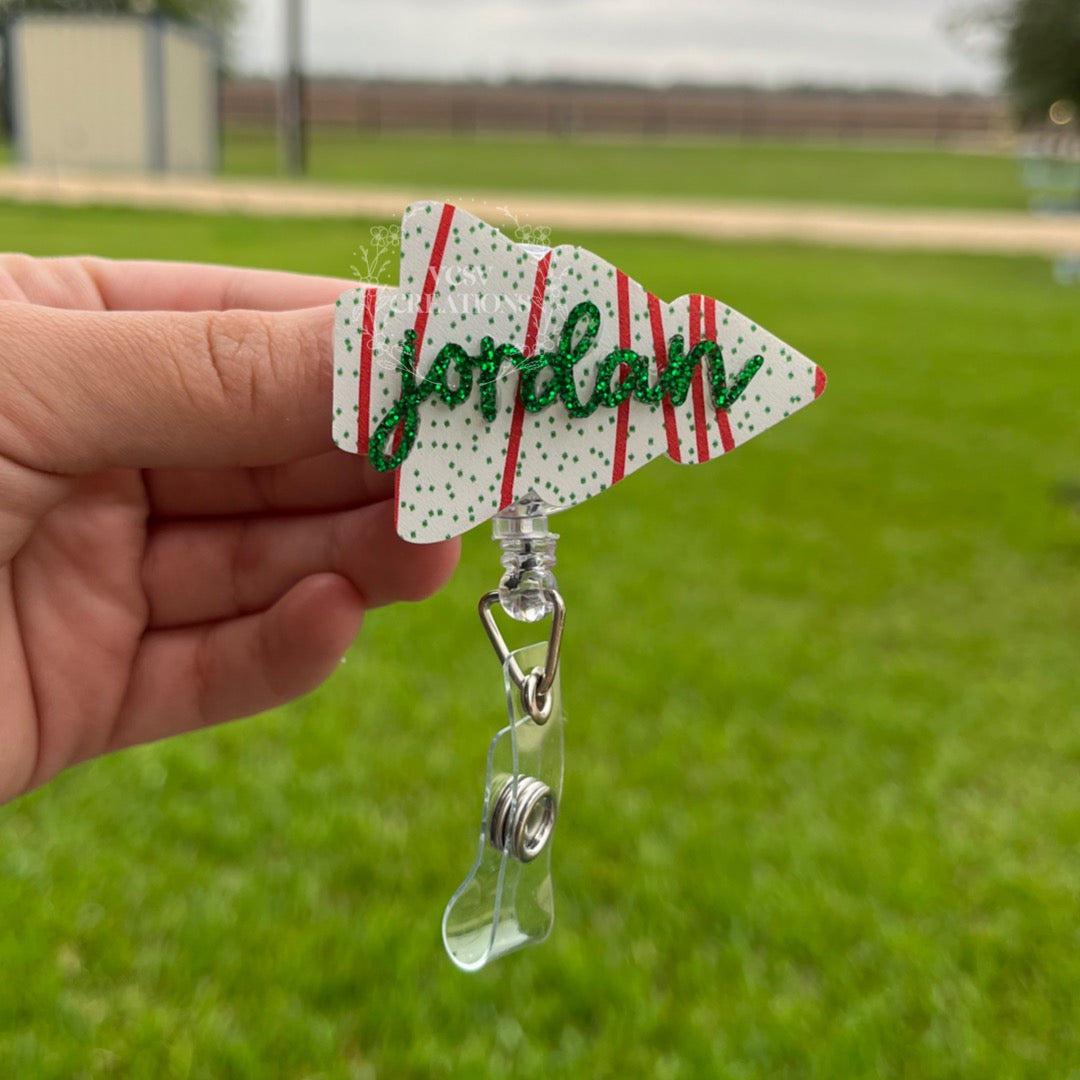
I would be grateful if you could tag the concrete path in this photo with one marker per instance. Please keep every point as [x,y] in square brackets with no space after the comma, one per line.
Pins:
[1005,232]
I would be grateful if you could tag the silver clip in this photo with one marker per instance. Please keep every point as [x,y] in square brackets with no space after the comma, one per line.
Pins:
[535,687]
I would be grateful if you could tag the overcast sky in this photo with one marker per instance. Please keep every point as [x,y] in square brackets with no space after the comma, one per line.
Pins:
[772,42]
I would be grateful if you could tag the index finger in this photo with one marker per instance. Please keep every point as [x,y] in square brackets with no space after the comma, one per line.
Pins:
[132,285]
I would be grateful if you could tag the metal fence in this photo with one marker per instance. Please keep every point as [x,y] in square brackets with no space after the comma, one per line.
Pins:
[950,121]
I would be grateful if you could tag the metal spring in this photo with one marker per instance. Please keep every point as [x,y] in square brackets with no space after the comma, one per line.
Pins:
[523,829]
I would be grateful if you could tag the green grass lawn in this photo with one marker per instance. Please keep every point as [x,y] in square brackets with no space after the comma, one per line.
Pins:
[822,810]
[876,176]
[817,172]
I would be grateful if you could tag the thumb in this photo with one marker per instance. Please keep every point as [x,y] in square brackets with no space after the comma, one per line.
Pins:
[87,390]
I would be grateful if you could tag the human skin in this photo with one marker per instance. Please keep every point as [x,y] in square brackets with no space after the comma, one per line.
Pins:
[180,543]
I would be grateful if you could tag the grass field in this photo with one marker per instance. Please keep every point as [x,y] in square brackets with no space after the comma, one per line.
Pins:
[448,165]
[822,809]
[876,176]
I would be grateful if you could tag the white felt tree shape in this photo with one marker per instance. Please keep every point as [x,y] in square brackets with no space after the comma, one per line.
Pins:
[451,372]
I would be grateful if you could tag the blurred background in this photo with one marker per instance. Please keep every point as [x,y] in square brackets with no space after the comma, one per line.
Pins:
[822,808]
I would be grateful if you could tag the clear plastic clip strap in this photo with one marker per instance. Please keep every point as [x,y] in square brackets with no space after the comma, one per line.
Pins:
[507,900]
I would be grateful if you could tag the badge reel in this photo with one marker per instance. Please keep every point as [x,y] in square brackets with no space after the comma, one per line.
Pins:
[507,900]
[558,381]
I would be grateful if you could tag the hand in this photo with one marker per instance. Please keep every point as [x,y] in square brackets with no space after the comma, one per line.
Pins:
[180,544]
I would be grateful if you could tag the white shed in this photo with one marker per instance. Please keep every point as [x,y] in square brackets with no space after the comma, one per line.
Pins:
[133,93]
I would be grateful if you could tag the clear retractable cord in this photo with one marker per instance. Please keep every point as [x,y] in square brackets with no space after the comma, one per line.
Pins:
[507,899]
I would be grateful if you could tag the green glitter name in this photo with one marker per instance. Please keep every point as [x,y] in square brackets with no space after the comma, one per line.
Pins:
[673,383]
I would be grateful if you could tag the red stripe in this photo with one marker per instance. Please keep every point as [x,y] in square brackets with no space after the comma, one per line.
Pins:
[367,337]
[430,282]
[700,420]
[671,424]
[532,332]
[622,424]
[819,382]
[726,438]
[432,279]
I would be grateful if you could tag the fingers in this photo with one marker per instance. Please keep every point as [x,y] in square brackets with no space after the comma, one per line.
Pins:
[159,286]
[111,284]
[185,679]
[91,390]
[326,482]
[199,571]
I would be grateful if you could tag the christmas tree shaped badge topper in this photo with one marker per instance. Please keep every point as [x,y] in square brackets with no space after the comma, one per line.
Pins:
[505,380]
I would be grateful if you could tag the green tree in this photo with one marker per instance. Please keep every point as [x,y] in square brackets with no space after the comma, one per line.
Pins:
[1042,55]
[217,15]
